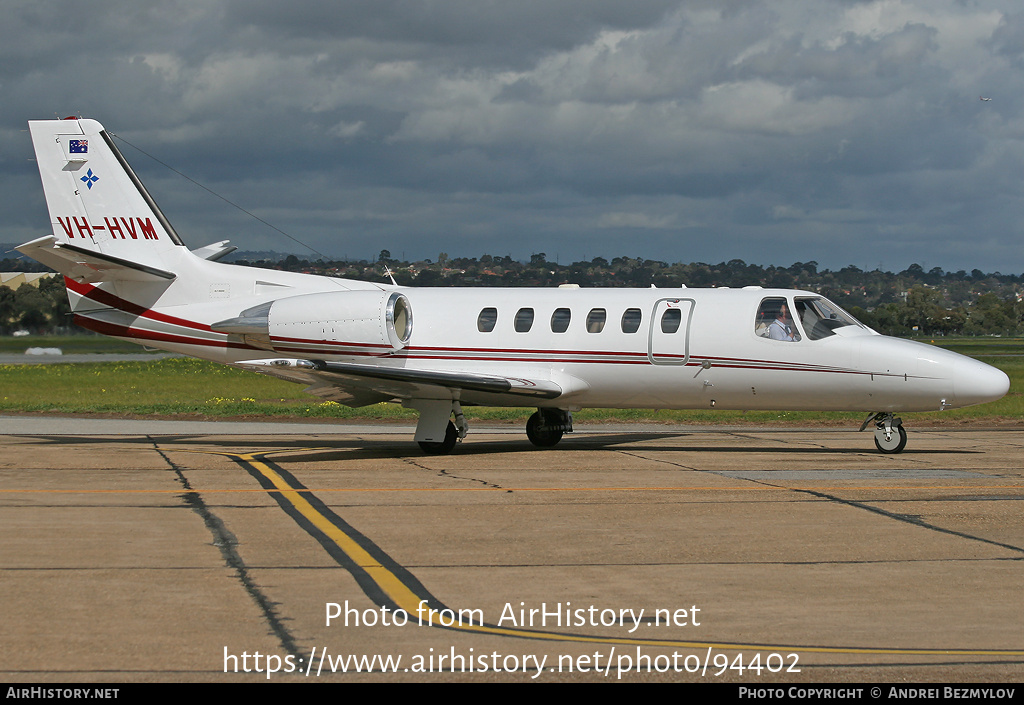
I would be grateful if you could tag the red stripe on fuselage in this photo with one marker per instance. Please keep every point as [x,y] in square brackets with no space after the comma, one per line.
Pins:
[120,331]
[98,295]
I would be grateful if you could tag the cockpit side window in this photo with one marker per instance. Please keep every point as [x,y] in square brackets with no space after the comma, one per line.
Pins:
[775,321]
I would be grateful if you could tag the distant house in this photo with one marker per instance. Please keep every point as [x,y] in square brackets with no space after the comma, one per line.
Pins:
[15,279]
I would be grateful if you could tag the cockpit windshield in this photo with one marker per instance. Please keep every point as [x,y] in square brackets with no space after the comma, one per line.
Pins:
[820,317]
[780,319]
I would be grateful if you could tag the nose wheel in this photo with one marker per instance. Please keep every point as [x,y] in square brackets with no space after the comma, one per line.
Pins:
[890,436]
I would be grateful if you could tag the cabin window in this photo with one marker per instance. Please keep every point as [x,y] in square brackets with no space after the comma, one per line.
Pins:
[486,320]
[670,320]
[631,320]
[524,320]
[560,320]
[596,319]
[774,320]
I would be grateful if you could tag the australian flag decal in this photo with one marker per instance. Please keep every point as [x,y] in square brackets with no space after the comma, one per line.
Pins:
[78,146]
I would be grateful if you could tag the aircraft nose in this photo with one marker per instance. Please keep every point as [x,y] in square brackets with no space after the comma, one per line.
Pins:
[976,383]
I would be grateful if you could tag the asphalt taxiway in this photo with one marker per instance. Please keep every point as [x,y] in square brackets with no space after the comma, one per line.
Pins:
[156,552]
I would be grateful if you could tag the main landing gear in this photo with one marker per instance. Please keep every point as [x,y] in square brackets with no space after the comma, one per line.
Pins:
[451,437]
[433,414]
[890,436]
[546,426]
[437,433]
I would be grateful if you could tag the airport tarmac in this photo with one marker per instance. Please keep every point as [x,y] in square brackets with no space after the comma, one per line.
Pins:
[156,552]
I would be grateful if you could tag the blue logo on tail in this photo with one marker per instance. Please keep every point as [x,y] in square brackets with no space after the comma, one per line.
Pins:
[89,179]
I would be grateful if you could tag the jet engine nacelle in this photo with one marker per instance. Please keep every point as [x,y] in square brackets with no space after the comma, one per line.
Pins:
[336,322]
[376,320]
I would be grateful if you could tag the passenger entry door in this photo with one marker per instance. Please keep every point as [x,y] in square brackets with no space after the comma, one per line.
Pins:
[669,342]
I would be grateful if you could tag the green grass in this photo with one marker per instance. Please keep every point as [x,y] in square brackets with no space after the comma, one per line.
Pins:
[979,347]
[69,344]
[189,387]
[172,386]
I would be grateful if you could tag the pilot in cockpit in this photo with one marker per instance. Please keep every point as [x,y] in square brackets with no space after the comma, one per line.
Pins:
[782,327]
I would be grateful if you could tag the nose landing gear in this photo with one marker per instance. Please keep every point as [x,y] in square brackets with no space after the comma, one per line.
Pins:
[890,436]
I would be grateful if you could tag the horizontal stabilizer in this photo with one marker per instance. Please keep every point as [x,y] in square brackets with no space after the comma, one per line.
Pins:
[216,251]
[85,265]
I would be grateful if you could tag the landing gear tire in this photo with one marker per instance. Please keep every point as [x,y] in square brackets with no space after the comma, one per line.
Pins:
[540,434]
[451,435]
[895,443]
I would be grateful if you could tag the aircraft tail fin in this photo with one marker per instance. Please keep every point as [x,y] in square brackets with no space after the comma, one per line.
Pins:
[105,224]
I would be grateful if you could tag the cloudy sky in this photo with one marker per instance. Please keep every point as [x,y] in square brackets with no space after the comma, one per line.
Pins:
[771,131]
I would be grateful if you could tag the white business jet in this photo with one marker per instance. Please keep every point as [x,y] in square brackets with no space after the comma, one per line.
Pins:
[129,275]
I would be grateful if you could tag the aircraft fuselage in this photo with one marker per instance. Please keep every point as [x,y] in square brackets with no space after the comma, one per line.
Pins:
[602,347]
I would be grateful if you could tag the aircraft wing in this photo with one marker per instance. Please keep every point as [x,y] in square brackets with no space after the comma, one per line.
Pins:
[359,385]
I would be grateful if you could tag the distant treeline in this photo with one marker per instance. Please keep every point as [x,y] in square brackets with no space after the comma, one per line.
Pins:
[36,309]
[910,302]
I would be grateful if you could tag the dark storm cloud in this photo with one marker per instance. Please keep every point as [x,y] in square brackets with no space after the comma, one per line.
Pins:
[484,31]
[858,67]
[843,132]
[1008,38]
